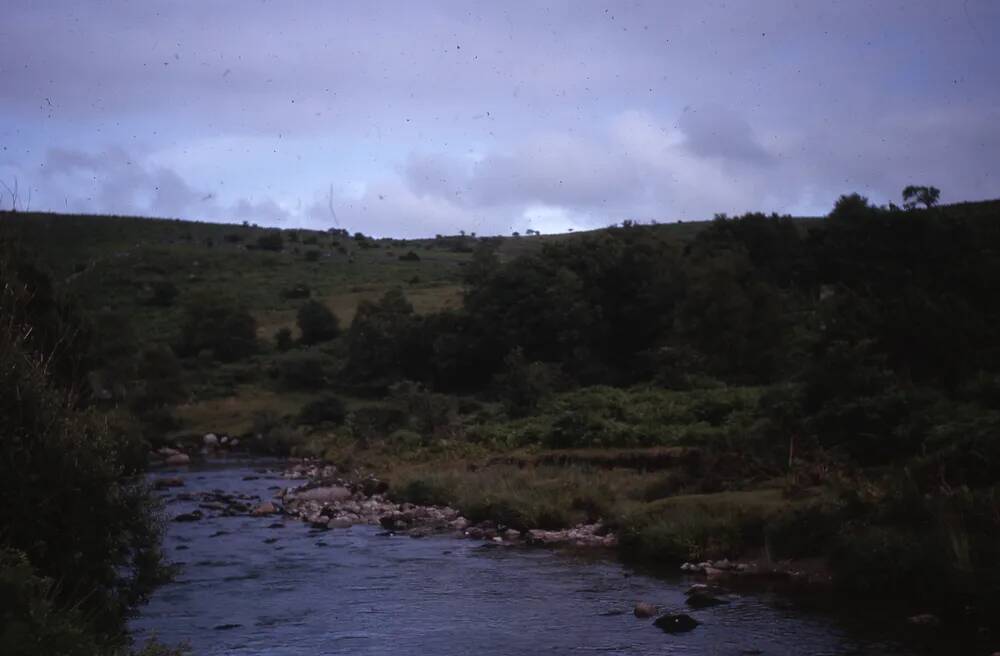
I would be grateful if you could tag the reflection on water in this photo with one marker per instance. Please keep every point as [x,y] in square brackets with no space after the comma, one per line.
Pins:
[258,586]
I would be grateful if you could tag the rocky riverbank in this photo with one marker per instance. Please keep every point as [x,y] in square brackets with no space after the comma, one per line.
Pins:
[328,500]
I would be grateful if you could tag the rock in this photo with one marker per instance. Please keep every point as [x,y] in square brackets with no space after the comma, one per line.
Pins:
[511,535]
[676,623]
[164,483]
[189,517]
[697,587]
[266,508]
[924,619]
[703,599]
[178,459]
[233,443]
[329,494]
[225,440]
[644,609]
[210,440]
[166,451]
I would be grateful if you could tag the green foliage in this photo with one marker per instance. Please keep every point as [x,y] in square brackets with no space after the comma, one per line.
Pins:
[225,329]
[923,195]
[317,323]
[306,371]
[283,340]
[523,385]
[380,338]
[271,241]
[162,293]
[74,501]
[326,409]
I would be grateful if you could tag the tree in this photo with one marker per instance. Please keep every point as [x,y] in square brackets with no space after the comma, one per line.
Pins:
[926,196]
[317,323]
[227,330]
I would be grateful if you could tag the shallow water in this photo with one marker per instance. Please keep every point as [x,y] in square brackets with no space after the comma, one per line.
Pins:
[246,586]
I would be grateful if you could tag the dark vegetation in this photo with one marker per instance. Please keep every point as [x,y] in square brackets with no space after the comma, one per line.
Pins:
[760,386]
[79,533]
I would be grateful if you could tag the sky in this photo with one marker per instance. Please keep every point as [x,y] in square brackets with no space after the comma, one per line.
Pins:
[412,119]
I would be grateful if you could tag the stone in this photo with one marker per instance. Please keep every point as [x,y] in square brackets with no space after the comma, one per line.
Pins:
[644,609]
[924,619]
[166,451]
[680,623]
[233,443]
[511,535]
[189,517]
[328,494]
[164,483]
[210,440]
[178,459]
[266,508]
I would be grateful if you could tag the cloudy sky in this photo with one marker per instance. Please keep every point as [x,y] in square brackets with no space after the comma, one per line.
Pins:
[416,118]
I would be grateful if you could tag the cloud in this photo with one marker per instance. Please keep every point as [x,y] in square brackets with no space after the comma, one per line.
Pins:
[115,180]
[426,117]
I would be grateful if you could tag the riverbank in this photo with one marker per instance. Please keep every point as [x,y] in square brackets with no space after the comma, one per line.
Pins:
[266,583]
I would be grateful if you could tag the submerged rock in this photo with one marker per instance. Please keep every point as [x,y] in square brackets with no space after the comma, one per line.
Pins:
[164,483]
[266,508]
[680,623]
[703,599]
[178,459]
[645,609]
[189,517]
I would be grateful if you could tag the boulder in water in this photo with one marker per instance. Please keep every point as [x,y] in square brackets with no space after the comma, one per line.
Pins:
[178,459]
[210,440]
[266,508]
[645,609]
[679,623]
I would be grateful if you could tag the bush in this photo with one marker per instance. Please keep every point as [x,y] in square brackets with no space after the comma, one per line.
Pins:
[228,331]
[312,255]
[162,293]
[74,503]
[297,291]
[303,371]
[409,256]
[327,409]
[271,241]
[317,323]
[283,339]
[424,492]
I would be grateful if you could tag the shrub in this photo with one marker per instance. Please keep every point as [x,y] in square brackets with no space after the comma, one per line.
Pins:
[162,293]
[409,256]
[317,323]
[271,241]
[73,503]
[327,409]
[312,255]
[424,492]
[303,371]
[283,339]
[297,291]
[228,331]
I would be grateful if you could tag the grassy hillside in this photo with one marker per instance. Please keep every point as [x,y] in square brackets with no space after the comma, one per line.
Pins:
[759,386]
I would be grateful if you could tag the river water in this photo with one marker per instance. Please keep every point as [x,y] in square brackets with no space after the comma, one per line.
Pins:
[264,586]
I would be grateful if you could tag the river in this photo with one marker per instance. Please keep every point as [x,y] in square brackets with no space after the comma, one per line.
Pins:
[251,586]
